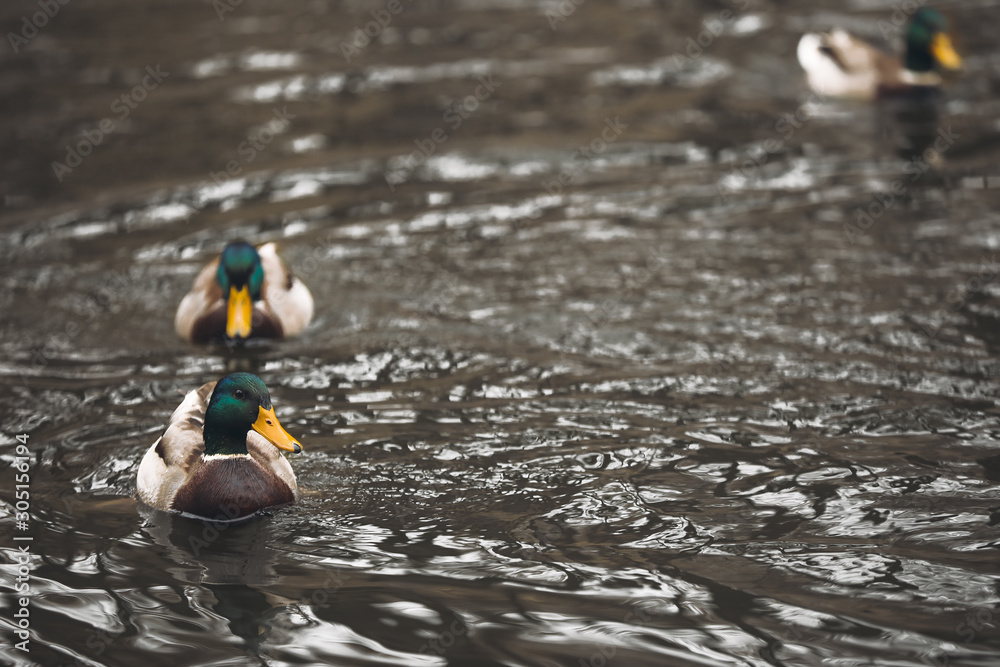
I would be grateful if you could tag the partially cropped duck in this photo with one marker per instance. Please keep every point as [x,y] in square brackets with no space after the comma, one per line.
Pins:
[838,64]
[247,292]
[219,456]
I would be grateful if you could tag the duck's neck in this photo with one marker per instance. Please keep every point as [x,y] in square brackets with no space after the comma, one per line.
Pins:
[222,441]
[918,58]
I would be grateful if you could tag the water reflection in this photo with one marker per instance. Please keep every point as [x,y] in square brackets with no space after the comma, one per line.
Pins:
[703,394]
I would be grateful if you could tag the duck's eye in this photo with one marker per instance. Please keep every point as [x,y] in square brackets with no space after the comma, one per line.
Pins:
[239,393]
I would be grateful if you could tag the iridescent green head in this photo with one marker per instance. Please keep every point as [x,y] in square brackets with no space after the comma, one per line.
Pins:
[240,265]
[239,403]
[241,276]
[928,45]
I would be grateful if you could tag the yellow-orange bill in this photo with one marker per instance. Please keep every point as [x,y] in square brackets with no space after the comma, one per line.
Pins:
[944,52]
[240,313]
[267,425]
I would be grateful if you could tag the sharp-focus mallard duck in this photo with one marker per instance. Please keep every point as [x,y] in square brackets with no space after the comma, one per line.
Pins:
[839,64]
[247,292]
[219,456]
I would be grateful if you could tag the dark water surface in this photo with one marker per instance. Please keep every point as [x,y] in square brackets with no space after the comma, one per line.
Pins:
[616,375]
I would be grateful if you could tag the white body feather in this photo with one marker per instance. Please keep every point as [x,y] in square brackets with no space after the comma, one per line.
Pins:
[858,78]
[292,306]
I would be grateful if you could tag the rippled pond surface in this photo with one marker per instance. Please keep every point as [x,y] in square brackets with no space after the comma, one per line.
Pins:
[607,368]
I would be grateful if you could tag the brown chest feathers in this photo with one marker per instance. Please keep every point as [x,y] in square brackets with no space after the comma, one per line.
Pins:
[211,326]
[230,488]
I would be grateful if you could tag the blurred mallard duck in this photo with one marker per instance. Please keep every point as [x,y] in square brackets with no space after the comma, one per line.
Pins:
[247,292]
[839,64]
[218,457]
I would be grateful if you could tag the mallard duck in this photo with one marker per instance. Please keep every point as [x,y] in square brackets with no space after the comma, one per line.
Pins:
[839,64]
[219,456]
[247,292]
